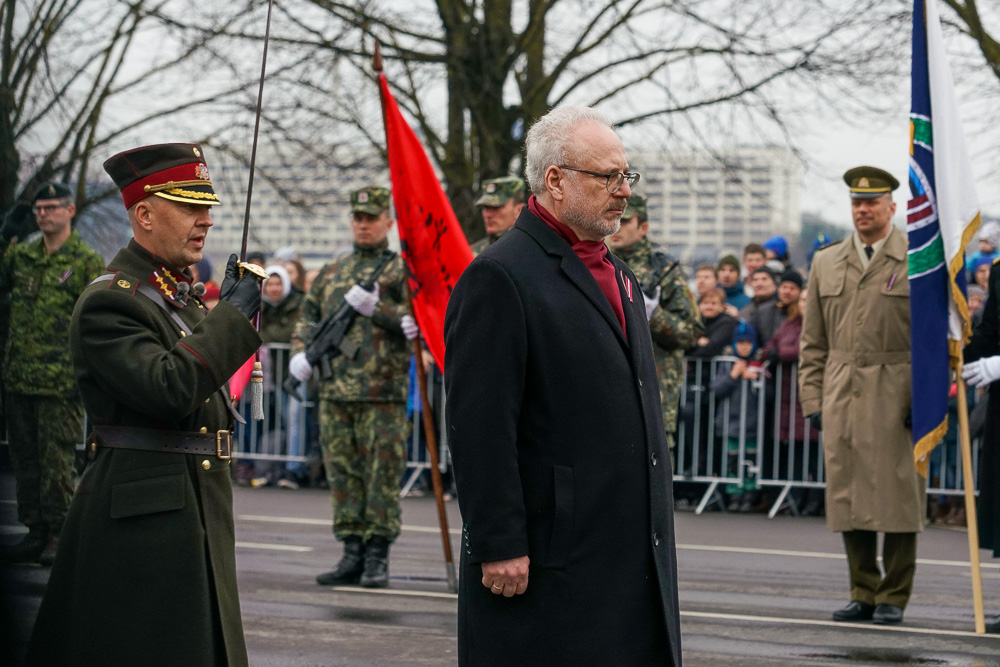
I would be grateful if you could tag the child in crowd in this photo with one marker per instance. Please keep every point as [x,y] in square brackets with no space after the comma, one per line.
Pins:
[740,382]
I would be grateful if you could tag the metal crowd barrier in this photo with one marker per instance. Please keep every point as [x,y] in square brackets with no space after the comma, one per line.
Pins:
[762,454]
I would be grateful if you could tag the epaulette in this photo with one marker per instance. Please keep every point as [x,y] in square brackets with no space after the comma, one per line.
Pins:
[122,282]
[830,244]
[997,259]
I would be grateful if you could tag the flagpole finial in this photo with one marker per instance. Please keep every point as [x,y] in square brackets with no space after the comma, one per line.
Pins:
[377,58]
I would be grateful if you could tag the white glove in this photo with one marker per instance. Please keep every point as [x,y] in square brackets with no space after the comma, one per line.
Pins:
[982,372]
[299,367]
[362,300]
[410,329]
[651,302]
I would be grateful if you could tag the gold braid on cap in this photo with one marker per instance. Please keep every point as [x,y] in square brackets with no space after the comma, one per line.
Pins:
[171,185]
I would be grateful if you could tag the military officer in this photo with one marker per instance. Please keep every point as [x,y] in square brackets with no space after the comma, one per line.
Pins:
[363,425]
[674,321]
[146,568]
[854,379]
[502,200]
[43,280]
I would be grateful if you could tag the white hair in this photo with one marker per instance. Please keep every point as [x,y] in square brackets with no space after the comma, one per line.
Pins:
[548,141]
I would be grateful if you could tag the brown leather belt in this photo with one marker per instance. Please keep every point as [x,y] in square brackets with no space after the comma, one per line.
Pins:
[218,444]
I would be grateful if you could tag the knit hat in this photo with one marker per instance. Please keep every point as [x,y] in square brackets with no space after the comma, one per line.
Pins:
[792,276]
[778,245]
[729,260]
[745,331]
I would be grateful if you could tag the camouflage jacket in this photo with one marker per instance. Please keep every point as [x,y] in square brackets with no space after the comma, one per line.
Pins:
[675,325]
[379,372]
[485,242]
[43,290]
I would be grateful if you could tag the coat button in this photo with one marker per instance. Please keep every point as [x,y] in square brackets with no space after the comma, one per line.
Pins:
[859,321]
[208,400]
[206,464]
[656,539]
[203,429]
[654,459]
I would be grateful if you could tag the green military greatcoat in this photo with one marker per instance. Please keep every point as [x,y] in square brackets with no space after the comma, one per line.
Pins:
[674,326]
[146,571]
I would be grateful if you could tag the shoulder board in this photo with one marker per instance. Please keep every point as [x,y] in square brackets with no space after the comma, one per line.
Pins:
[831,244]
[997,259]
[118,282]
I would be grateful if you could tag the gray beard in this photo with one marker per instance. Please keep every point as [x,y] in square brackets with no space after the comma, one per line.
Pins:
[592,224]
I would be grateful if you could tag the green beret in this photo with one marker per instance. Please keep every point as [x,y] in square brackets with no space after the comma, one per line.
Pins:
[499,191]
[370,200]
[636,204]
[53,191]
[869,182]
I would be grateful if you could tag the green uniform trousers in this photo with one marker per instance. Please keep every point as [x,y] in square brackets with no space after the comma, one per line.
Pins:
[364,452]
[43,433]
[899,557]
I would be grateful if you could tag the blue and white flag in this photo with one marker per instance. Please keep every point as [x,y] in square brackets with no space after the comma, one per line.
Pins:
[941,219]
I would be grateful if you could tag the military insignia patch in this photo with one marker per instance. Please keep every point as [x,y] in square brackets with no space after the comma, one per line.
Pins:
[862,182]
[491,188]
[201,171]
[362,197]
[124,284]
[52,191]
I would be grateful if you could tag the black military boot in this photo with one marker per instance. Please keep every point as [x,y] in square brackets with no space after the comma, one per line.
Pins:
[376,574]
[28,549]
[348,570]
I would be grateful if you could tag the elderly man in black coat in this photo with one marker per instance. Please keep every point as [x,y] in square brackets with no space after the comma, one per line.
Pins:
[555,426]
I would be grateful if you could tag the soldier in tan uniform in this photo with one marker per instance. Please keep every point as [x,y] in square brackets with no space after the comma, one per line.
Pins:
[854,379]
[502,200]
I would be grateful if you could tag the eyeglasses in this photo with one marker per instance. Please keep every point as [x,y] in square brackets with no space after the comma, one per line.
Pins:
[48,208]
[614,180]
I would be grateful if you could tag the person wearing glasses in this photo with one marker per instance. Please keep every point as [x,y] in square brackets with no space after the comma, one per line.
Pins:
[43,280]
[564,483]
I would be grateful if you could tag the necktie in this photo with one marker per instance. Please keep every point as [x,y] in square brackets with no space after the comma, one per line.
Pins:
[869,250]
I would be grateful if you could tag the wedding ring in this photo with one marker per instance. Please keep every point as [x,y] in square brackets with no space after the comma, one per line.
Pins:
[496,588]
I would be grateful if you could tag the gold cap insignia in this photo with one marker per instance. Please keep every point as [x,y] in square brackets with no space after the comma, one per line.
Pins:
[196,153]
[862,182]
[124,284]
[201,171]
[52,190]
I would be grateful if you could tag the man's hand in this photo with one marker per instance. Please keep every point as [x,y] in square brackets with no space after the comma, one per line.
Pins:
[731,310]
[299,367]
[241,292]
[409,326]
[362,300]
[506,577]
[982,372]
[651,301]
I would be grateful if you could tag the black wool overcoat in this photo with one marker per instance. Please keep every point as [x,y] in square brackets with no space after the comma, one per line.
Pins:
[556,433]
[986,343]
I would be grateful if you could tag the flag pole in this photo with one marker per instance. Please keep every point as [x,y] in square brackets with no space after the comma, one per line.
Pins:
[970,503]
[428,419]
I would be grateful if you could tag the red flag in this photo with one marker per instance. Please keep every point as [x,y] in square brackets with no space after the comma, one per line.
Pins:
[434,248]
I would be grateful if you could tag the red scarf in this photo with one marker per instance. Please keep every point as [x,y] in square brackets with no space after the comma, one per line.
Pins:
[593,254]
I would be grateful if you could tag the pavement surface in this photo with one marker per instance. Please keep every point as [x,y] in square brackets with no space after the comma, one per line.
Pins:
[754,592]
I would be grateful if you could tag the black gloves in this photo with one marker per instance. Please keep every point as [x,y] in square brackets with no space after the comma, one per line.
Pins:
[773,357]
[816,420]
[243,293]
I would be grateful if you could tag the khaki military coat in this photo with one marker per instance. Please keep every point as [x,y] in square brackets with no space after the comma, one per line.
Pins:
[855,368]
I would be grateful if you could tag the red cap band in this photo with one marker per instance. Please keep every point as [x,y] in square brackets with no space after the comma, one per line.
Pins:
[194,171]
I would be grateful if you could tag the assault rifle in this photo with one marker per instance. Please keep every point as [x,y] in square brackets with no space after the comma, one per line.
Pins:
[662,265]
[330,337]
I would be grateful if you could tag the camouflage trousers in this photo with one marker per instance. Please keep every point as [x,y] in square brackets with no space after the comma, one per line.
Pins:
[364,452]
[43,433]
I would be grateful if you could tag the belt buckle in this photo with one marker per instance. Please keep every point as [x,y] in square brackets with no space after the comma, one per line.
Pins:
[218,445]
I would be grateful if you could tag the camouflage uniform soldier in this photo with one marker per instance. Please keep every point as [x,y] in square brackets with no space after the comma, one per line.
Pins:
[363,425]
[502,200]
[674,321]
[44,279]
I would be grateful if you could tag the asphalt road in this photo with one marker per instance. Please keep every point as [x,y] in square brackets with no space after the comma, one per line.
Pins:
[754,592]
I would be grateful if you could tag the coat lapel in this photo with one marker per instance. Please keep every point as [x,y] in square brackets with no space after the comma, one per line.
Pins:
[573,267]
[635,311]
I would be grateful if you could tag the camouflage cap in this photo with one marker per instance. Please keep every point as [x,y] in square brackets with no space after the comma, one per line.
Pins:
[53,191]
[636,204]
[869,182]
[371,200]
[498,191]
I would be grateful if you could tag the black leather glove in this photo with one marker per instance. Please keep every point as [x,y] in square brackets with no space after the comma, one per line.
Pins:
[241,292]
[816,420]
[773,357]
